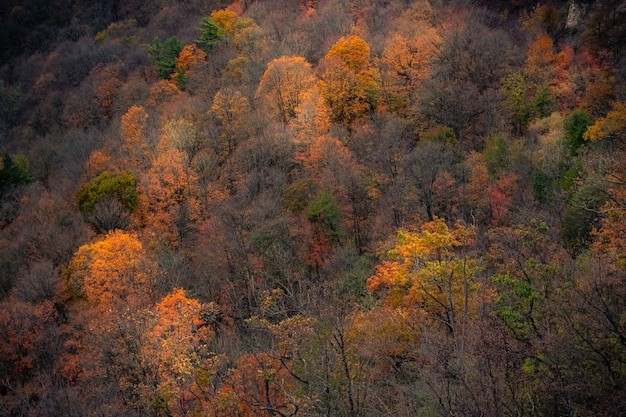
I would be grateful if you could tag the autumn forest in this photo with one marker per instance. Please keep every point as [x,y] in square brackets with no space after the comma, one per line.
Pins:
[297,208]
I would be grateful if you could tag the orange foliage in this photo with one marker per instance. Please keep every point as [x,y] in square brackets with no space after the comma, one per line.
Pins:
[236,7]
[161,92]
[131,132]
[404,65]
[312,117]
[98,162]
[113,273]
[541,60]
[257,384]
[191,56]
[133,122]
[168,188]
[187,368]
[500,198]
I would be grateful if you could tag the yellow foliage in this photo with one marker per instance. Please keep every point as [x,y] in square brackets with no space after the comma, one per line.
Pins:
[225,19]
[230,107]
[614,124]
[353,51]
[284,84]
[427,273]
[350,84]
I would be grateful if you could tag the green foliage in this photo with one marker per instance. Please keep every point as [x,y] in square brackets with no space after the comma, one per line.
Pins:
[121,186]
[13,172]
[441,134]
[495,153]
[542,104]
[210,33]
[164,55]
[575,126]
[543,186]
[516,298]
[353,284]
[324,209]
[570,170]
[298,195]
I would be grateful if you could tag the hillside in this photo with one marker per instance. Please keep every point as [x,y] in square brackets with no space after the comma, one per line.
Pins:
[312,208]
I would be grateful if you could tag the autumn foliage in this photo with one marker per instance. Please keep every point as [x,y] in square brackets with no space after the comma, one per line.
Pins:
[312,208]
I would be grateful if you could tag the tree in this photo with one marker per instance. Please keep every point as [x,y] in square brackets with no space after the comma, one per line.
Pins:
[164,55]
[113,273]
[403,67]
[170,189]
[230,27]
[515,89]
[210,33]
[231,108]
[131,131]
[187,367]
[189,59]
[612,126]
[427,164]
[284,84]
[350,84]
[430,299]
[466,70]
[426,274]
[576,124]
[107,200]
[541,60]
[257,385]
[312,117]
[13,172]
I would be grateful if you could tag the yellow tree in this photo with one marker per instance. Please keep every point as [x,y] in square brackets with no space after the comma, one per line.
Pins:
[312,117]
[284,83]
[230,107]
[429,275]
[612,235]
[350,84]
[422,328]
[611,126]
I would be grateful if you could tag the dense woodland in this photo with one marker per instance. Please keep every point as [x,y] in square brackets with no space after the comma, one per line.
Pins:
[312,208]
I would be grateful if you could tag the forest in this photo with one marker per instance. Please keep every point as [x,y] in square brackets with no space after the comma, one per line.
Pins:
[297,208]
